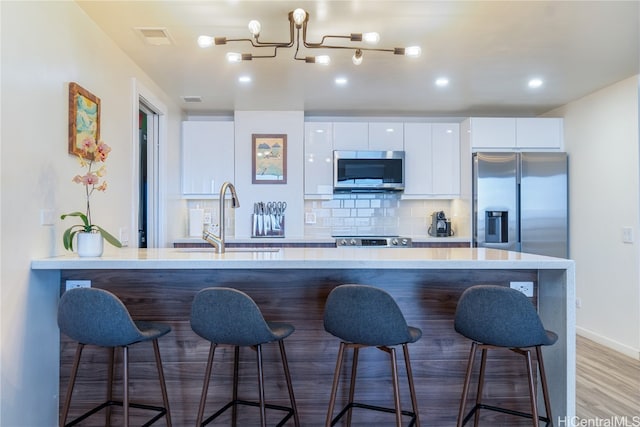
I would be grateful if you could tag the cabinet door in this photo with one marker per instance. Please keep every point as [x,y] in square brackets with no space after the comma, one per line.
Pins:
[417,151]
[207,156]
[493,132]
[539,132]
[350,135]
[445,140]
[318,158]
[386,136]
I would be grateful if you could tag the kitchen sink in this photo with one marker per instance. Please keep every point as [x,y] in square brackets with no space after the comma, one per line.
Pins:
[209,250]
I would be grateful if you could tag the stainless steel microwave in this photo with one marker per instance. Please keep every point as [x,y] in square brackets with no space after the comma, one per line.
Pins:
[368,171]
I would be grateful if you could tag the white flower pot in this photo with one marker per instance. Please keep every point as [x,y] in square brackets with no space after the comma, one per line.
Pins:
[89,244]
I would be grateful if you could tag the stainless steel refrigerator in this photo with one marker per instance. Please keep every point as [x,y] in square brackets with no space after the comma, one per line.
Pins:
[520,202]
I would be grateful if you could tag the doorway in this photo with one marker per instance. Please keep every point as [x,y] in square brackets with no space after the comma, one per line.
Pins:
[148,183]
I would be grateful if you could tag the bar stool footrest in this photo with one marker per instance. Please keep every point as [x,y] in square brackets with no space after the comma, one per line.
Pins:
[161,411]
[255,404]
[373,408]
[504,411]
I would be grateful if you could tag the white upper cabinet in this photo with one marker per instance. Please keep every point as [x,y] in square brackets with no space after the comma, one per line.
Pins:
[493,132]
[432,159]
[207,157]
[318,158]
[445,153]
[539,132]
[516,133]
[417,152]
[350,135]
[386,136]
[355,136]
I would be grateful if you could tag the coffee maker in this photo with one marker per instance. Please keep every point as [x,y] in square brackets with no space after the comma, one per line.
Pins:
[440,225]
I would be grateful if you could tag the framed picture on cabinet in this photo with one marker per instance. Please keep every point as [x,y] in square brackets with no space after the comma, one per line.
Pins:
[269,159]
[84,117]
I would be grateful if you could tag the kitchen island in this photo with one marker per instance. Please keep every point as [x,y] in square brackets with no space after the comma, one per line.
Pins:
[291,285]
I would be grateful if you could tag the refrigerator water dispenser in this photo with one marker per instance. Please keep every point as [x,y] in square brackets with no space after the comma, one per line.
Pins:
[496,226]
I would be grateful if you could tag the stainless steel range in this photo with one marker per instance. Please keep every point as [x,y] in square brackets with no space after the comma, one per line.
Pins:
[384,241]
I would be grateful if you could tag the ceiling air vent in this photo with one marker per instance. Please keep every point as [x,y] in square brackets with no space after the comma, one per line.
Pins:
[192,98]
[155,36]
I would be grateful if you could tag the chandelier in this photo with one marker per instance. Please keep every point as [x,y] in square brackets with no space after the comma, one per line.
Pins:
[298,20]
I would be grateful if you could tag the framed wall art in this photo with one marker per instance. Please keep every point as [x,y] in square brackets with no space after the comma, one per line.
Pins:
[269,159]
[84,117]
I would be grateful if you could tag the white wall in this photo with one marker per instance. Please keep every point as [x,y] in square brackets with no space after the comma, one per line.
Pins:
[601,137]
[290,123]
[46,45]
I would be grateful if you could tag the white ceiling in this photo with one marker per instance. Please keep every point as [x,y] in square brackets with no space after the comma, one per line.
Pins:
[488,50]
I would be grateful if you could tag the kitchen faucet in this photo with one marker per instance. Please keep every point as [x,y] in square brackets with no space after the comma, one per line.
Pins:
[218,241]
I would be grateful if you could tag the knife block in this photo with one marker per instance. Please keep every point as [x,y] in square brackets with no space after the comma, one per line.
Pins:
[266,225]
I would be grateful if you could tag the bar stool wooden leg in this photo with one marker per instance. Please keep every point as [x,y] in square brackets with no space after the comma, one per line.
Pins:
[263,412]
[287,375]
[111,375]
[465,387]
[205,385]
[72,381]
[234,396]
[352,384]
[412,389]
[396,386]
[483,364]
[163,384]
[334,388]
[532,388]
[543,380]
[125,384]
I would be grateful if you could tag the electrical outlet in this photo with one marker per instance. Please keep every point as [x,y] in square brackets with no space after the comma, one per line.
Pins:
[46,217]
[124,236]
[72,284]
[524,287]
[578,302]
[627,234]
[310,218]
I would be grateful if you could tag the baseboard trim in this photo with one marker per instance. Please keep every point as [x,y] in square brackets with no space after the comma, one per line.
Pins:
[634,353]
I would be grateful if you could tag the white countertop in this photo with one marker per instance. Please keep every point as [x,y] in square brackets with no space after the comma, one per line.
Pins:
[304,258]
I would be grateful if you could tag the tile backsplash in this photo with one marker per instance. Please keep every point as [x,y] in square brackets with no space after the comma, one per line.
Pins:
[381,214]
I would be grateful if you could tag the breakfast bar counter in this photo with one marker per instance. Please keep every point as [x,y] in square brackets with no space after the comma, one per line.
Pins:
[291,285]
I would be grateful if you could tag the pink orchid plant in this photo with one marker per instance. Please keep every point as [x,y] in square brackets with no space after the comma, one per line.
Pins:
[92,157]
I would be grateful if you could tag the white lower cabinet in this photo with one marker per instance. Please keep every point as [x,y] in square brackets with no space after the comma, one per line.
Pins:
[318,158]
[207,157]
[432,158]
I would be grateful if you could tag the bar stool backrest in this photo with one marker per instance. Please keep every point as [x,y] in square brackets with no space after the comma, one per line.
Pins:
[367,315]
[229,316]
[500,316]
[96,317]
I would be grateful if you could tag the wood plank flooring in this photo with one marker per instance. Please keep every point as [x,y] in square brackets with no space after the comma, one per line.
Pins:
[607,386]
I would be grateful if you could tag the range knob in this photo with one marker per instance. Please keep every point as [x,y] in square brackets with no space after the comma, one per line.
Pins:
[405,242]
[394,242]
[353,242]
[342,242]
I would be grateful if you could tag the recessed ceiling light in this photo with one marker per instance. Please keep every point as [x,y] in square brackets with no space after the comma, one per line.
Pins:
[535,83]
[442,82]
[244,79]
[341,81]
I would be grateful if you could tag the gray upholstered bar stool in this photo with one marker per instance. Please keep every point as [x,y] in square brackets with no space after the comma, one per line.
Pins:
[226,316]
[501,317]
[96,317]
[366,316]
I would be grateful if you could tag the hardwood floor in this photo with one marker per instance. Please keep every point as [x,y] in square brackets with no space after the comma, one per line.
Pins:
[607,385]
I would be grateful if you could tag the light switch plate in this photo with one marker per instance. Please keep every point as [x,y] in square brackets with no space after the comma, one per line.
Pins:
[72,284]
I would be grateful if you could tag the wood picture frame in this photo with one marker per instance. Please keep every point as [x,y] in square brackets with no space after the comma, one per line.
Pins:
[269,159]
[84,118]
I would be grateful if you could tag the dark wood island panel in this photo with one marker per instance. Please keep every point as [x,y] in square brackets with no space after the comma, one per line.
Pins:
[427,297]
